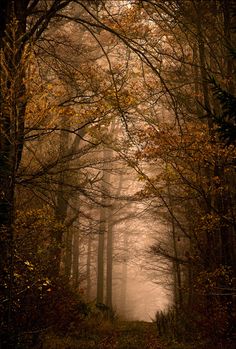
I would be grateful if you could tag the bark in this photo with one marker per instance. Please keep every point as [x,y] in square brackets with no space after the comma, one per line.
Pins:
[75,266]
[196,80]
[202,61]
[66,153]
[102,229]
[110,238]
[124,275]
[88,265]
[227,235]
[109,261]
[61,205]
[68,254]
[100,257]
[227,8]
[12,113]
[178,296]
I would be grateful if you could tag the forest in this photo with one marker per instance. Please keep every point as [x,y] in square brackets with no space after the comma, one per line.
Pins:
[117,153]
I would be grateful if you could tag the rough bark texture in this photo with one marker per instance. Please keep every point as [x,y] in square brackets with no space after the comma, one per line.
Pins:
[12,112]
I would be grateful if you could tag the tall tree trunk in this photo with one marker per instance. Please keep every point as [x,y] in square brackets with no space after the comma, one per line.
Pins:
[102,228]
[110,238]
[196,80]
[100,257]
[12,115]
[227,238]
[124,275]
[61,204]
[75,270]
[178,294]
[68,254]
[199,8]
[227,12]
[66,153]
[109,261]
[88,264]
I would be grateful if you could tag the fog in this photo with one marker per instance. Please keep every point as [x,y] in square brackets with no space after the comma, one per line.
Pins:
[141,287]
[144,297]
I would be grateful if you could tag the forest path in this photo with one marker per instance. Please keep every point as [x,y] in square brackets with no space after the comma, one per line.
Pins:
[121,335]
[136,335]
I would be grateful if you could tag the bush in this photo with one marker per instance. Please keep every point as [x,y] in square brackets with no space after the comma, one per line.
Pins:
[55,306]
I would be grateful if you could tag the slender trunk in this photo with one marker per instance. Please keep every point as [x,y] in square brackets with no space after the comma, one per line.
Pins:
[68,254]
[227,237]
[176,264]
[61,206]
[124,275]
[102,227]
[123,293]
[75,272]
[89,254]
[177,272]
[202,60]
[110,238]
[190,279]
[227,8]
[66,153]
[100,257]
[109,261]
[196,81]
[102,230]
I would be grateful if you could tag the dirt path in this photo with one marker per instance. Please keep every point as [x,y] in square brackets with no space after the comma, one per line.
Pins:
[140,335]
[122,335]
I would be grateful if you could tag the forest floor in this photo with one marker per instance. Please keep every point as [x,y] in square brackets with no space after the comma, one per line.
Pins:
[120,335]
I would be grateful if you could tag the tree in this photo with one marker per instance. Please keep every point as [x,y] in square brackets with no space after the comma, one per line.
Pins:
[225,121]
[166,50]
[199,183]
[16,37]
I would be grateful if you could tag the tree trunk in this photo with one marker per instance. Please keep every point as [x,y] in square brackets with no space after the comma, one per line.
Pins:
[75,271]
[102,228]
[61,205]
[202,60]
[12,115]
[66,153]
[68,254]
[100,257]
[109,261]
[88,275]
[124,274]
